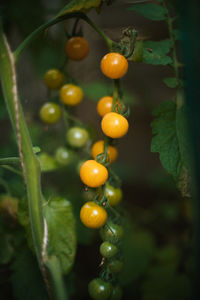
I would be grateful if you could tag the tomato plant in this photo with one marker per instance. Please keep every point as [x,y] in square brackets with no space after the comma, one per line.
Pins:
[77,48]
[92,215]
[50,113]
[71,94]
[59,189]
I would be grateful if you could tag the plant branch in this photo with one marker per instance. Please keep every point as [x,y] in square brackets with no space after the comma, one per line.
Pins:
[56,20]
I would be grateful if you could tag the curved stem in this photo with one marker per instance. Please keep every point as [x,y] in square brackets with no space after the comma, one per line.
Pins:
[11,169]
[10,161]
[56,20]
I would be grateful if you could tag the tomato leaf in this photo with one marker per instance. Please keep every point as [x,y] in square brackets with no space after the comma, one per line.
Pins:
[61,231]
[26,277]
[170,139]
[80,5]
[150,11]
[155,52]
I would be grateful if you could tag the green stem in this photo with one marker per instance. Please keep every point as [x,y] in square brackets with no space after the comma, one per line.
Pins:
[30,166]
[174,55]
[58,289]
[56,20]
[10,161]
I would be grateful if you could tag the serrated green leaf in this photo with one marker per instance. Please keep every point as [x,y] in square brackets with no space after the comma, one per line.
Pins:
[99,89]
[170,137]
[26,278]
[155,52]
[150,11]
[61,231]
[171,82]
[79,5]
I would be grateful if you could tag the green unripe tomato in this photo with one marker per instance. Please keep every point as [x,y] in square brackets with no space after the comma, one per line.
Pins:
[77,137]
[111,232]
[116,293]
[53,78]
[47,162]
[138,52]
[108,250]
[50,113]
[99,289]
[114,195]
[115,266]
[64,156]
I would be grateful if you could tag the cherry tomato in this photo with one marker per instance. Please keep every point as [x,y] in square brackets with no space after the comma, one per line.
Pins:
[108,250]
[114,195]
[116,293]
[98,148]
[114,65]
[53,78]
[114,125]
[104,105]
[99,289]
[115,266]
[71,94]
[47,162]
[77,137]
[64,156]
[77,48]
[92,215]
[93,174]
[50,113]
[111,232]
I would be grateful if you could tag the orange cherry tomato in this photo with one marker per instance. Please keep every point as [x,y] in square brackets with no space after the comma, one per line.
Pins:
[92,215]
[53,78]
[114,125]
[77,48]
[98,148]
[71,94]
[93,174]
[104,105]
[114,65]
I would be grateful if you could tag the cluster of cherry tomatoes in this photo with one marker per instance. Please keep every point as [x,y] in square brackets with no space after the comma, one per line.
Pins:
[95,172]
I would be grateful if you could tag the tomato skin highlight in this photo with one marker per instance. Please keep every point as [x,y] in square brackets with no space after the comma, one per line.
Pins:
[99,289]
[98,148]
[92,215]
[50,113]
[53,78]
[71,94]
[77,137]
[114,125]
[93,174]
[114,65]
[107,249]
[77,48]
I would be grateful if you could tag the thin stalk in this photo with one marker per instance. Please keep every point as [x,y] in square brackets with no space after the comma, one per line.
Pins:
[10,161]
[56,20]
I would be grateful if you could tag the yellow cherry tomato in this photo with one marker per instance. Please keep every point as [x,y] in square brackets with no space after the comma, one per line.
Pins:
[98,148]
[114,125]
[92,215]
[71,94]
[93,174]
[53,78]
[77,48]
[104,105]
[114,65]
[114,195]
